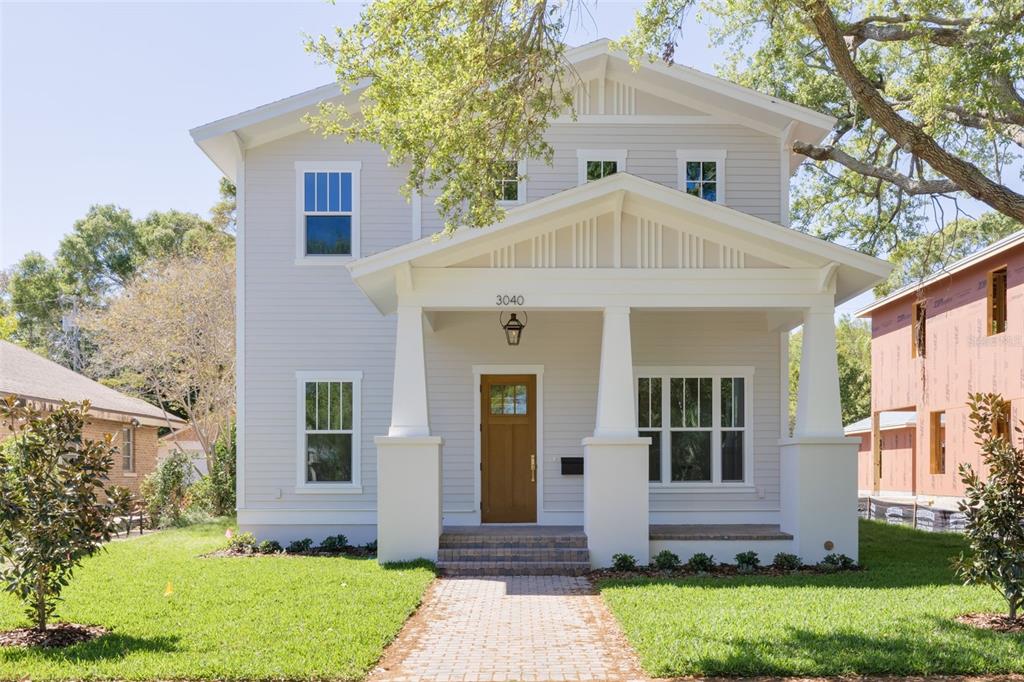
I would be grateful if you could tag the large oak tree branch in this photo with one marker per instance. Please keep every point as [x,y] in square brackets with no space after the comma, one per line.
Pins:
[966,176]
[904,182]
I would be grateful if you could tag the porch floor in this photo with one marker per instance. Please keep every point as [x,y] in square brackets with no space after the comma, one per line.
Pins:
[701,531]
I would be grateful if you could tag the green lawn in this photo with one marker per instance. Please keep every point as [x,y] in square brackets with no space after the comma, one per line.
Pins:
[228,618]
[894,618]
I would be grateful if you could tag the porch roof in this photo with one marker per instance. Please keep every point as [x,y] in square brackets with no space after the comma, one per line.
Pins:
[773,249]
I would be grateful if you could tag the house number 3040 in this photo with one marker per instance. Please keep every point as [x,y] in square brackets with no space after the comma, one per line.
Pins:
[509,299]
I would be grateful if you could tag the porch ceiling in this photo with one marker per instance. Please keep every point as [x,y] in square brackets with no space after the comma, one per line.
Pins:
[621,240]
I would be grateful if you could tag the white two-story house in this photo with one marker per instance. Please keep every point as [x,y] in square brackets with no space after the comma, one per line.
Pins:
[608,362]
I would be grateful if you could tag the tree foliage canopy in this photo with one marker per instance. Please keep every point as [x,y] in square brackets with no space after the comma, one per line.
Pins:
[927,94]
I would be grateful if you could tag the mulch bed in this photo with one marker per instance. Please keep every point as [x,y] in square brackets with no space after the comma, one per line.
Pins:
[56,635]
[350,552]
[992,621]
[721,571]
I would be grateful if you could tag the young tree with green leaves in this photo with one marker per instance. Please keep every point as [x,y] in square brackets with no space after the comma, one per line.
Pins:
[994,506]
[927,94]
[54,511]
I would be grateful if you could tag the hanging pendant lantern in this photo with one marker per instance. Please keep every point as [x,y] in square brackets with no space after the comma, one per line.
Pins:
[513,328]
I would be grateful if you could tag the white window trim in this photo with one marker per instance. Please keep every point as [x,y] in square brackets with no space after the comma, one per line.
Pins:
[301,485]
[302,167]
[716,373]
[584,155]
[521,186]
[716,155]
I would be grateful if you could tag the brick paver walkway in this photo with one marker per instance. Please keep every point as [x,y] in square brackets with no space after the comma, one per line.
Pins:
[510,628]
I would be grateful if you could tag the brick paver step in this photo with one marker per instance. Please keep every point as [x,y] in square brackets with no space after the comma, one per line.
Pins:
[511,542]
[513,567]
[513,553]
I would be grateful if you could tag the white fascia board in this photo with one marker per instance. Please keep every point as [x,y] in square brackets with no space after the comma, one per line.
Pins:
[990,251]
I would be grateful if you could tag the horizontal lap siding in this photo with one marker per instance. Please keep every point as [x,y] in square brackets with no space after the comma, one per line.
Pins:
[716,339]
[751,167]
[311,317]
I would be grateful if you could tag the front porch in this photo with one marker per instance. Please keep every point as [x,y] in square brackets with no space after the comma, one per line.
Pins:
[687,325]
[530,549]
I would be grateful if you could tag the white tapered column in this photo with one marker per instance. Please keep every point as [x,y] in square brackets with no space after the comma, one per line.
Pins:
[409,416]
[615,487]
[409,471]
[819,464]
[818,412]
[616,402]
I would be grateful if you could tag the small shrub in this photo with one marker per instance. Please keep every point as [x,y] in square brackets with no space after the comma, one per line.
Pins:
[244,543]
[666,560]
[624,562]
[164,491]
[299,546]
[747,562]
[334,543]
[787,562]
[371,547]
[269,547]
[701,562]
[837,562]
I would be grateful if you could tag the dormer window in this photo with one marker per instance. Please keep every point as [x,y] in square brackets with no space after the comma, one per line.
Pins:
[702,173]
[327,223]
[595,164]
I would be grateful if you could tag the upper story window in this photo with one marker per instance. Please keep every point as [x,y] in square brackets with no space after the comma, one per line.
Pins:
[595,164]
[327,222]
[328,428]
[702,173]
[128,449]
[698,421]
[997,301]
[510,186]
[919,330]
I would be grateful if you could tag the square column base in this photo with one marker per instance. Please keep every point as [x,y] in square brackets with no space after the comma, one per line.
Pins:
[616,499]
[408,498]
[819,496]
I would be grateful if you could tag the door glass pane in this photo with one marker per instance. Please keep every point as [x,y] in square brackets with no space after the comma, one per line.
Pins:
[508,399]
[328,457]
[732,455]
[653,455]
[691,456]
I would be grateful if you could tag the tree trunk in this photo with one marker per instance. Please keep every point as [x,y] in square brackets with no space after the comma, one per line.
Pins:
[40,605]
[1014,601]
[908,135]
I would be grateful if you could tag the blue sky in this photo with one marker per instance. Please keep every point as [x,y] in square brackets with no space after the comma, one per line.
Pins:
[98,98]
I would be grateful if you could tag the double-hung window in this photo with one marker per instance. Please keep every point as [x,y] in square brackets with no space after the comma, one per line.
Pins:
[327,224]
[128,449]
[702,173]
[510,186]
[595,164]
[328,427]
[698,420]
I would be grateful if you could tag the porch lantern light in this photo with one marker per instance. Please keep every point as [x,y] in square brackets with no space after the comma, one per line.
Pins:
[513,328]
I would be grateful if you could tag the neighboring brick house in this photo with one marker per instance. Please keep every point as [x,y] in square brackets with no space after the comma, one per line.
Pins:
[132,423]
[933,342]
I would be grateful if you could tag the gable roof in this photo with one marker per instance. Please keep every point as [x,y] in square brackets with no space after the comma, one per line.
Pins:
[33,377]
[856,272]
[223,139]
[1006,243]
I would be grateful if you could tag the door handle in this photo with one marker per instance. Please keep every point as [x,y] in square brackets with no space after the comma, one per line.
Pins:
[533,468]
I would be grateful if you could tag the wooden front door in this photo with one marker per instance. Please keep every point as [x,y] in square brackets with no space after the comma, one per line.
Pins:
[508,448]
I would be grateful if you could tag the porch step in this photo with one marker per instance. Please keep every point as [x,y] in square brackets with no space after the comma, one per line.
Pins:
[513,550]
